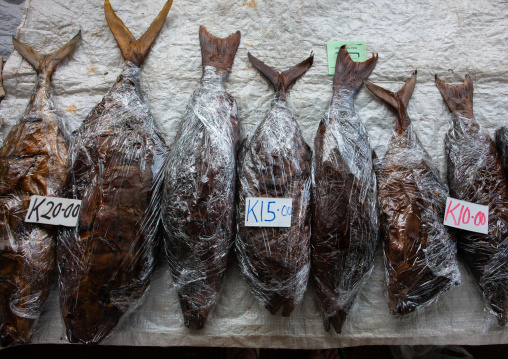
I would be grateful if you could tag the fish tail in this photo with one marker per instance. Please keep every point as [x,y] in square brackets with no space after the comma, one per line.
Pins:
[398,101]
[282,81]
[134,50]
[337,320]
[218,52]
[350,74]
[457,98]
[42,63]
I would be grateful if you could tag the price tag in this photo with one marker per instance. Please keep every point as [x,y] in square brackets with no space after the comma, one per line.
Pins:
[464,215]
[268,212]
[356,49]
[53,210]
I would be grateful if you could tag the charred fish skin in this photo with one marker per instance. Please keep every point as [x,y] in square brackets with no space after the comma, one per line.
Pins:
[105,264]
[345,219]
[33,161]
[420,252]
[501,139]
[199,192]
[475,175]
[276,162]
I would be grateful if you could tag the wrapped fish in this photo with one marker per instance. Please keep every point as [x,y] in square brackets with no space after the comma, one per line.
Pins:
[276,162]
[33,161]
[345,221]
[475,174]
[501,139]
[420,252]
[198,203]
[105,264]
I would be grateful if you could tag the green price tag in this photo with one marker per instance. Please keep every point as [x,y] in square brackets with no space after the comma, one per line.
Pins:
[356,50]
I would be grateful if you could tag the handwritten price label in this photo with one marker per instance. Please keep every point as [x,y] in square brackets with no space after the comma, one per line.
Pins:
[53,210]
[465,215]
[268,212]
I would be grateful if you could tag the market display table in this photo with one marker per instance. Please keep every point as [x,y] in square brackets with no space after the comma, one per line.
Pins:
[449,38]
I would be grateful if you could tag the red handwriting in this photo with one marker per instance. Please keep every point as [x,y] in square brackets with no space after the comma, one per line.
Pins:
[464,215]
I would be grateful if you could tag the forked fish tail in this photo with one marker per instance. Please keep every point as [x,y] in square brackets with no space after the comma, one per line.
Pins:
[134,50]
[398,101]
[217,52]
[349,74]
[42,63]
[458,98]
[282,81]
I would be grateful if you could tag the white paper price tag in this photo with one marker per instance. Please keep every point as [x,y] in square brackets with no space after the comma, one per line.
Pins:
[268,212]
[53,210]
[465,215]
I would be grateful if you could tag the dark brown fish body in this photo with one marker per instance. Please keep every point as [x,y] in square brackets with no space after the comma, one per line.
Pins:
[33,161]
[345,223]
[420,252]
[199,191]
[105,264]
[475,175]
[276,162]
[501,138]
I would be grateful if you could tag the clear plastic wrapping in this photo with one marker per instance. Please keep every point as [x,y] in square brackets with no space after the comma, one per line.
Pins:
[276,162]
[33,161]
[199,192]
[105,263]
[475,174]
[345,215]
[420,252]
[501,139]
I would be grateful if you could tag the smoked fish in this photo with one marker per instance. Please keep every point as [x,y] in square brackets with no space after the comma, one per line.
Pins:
[420,252]
[199,186]
[276,162]
[475,174]
[33,161]
[501,139]
[345,223]
[105,264]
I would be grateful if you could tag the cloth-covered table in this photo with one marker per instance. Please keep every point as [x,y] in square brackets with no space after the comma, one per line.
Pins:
[448,38]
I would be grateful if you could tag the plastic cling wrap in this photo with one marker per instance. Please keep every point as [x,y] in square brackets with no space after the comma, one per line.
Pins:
[32,162]
[106,262]
[475,175]
[276,162]
[501,138]
[345,223]
[198,204]
[450,37]
[420,252]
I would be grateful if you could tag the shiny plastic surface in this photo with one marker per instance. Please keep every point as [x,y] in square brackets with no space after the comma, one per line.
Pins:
[106,262]
[199,193]
[475,174]
[33,161]
[276,162]
[345,223]
[420,252]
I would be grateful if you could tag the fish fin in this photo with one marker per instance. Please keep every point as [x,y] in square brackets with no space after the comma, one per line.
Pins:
[271,75]
[457,98]
[134,50]
[282,81]
[397,100]
[349,74]
[147,39]
[42,63]
[218,52]
[407,90]
[290,76]
[385,95]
